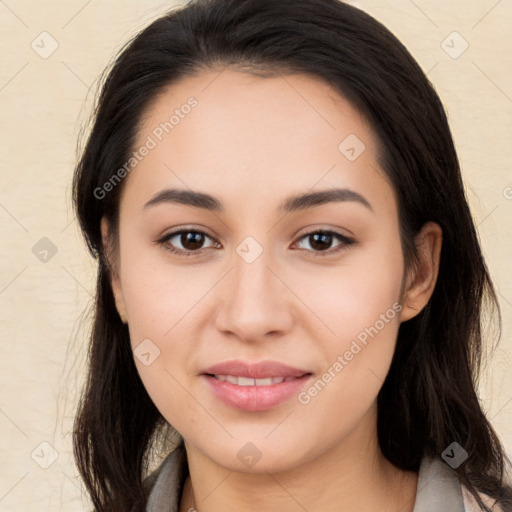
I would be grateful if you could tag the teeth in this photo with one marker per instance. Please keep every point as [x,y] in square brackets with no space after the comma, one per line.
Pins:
[247,381]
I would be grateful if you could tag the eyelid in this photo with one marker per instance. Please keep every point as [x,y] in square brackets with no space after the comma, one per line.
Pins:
[165,238]
[346,241]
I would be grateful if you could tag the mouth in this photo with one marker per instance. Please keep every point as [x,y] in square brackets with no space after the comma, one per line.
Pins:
[248,381]
[255,387]
[255,371]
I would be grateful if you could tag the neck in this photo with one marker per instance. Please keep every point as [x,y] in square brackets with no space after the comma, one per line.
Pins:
[353,475]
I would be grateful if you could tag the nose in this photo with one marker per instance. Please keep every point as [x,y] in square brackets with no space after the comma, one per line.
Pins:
[255,301]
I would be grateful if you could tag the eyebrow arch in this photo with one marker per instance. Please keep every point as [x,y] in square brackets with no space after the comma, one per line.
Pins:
[291,204]
[312,199]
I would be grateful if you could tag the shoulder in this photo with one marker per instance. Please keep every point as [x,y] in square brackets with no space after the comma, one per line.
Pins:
[471,505]
[165,483]
[149,482]
[439,488]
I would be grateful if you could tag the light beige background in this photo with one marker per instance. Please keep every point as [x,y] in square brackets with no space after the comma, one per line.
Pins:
[43,104]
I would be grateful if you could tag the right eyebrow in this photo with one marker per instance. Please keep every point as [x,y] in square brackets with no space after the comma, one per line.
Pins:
[186,197]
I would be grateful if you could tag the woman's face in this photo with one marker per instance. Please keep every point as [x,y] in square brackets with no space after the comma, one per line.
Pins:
[254,281]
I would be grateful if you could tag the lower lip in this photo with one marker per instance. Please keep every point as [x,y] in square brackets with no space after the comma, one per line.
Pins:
[255,398]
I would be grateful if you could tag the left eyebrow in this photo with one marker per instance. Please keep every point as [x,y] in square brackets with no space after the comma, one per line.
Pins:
[312,199]
[293,203]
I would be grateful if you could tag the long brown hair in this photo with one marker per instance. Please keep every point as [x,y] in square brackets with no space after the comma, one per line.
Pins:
[429,398]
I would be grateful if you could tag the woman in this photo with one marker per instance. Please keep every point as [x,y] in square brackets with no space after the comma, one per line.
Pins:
[290,285]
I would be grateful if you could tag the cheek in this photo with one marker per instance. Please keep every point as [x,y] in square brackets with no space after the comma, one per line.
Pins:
[167,387]
[359,304]
[158,294]
[350,297]
[357,361]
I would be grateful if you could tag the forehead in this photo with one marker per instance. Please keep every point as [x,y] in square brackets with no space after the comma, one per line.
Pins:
[234,134]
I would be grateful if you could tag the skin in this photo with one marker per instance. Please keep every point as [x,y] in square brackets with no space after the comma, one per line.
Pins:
[251,142]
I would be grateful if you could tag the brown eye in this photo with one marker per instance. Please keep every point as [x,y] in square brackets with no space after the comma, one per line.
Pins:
[191,240]
[321,241]
[186,242]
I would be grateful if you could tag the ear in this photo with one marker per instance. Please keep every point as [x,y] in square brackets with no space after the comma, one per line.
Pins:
[421,280]
[113,265]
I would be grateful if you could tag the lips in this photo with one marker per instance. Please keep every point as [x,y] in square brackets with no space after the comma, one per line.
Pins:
[254,387]
[248,381]
[261,370]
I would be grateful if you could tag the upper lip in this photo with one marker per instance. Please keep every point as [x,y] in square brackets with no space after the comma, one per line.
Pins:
[261,370]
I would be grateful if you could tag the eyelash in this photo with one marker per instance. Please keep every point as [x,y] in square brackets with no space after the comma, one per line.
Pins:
[346,242]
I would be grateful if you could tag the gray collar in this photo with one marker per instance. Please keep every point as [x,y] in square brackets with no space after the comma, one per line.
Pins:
[438,485]
[167,481]
[438,488]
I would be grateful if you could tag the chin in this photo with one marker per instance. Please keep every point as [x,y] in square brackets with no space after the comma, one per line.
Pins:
[259,456]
